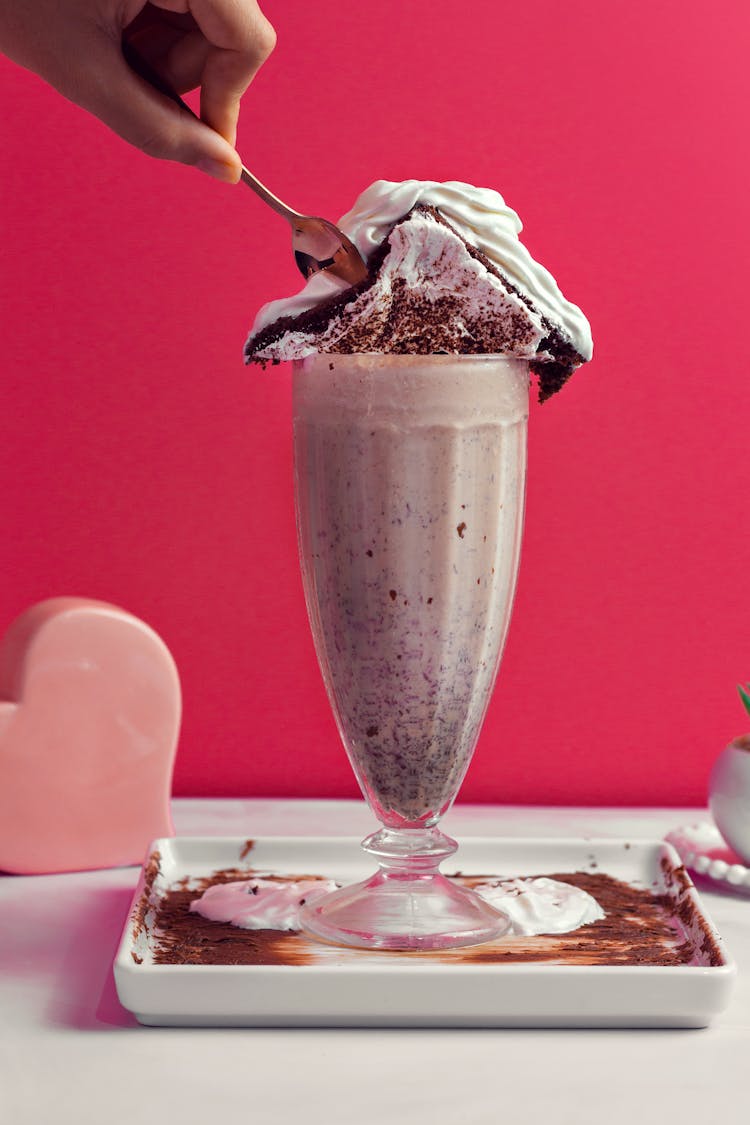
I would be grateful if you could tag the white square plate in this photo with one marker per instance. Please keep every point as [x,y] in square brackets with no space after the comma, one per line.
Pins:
[331,986]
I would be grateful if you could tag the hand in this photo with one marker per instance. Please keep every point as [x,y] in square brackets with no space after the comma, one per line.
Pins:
[219,45]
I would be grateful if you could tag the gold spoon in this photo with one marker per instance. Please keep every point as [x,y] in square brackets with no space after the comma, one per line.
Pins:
[317,243]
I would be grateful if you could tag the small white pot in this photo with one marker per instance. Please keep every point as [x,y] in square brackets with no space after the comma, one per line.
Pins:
[729,795]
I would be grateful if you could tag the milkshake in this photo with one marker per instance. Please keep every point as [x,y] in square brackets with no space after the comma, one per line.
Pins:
[410,477]
[410,406]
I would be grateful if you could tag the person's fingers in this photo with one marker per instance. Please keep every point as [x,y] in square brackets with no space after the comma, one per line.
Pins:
[217,44]
[148,119]
[222,87]
[241,39]
[179,61]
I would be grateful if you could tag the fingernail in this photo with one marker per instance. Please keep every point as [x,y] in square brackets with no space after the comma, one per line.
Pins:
[227,173]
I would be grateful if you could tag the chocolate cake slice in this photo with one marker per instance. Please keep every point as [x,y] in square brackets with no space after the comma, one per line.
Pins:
[428,291]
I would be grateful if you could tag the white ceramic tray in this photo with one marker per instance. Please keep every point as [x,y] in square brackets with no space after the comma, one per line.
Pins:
[323,985]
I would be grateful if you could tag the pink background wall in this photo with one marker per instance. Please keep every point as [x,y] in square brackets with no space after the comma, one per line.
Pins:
[142,464]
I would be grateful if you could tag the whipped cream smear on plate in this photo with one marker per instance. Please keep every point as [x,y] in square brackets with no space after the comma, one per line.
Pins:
[534,906]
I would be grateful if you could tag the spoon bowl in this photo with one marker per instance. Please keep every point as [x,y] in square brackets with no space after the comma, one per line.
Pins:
[317,243]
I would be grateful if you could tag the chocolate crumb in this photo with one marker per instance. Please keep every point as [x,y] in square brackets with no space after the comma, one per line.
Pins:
[640,928]
[152,869]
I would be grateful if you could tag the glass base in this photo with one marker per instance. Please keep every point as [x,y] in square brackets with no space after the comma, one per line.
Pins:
[407,904]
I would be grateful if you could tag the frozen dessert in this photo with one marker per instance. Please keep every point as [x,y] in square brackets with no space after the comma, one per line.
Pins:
[447,274]
[410,399]
[410,407]
[410,475]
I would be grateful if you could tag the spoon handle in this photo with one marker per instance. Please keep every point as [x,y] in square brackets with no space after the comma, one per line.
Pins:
[268,197]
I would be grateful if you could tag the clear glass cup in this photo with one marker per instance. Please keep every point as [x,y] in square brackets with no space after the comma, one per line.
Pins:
[409,485]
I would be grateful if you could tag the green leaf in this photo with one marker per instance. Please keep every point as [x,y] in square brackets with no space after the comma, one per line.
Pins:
[744,696]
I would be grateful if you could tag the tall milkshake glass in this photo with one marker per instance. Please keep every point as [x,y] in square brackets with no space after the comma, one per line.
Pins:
[409,484]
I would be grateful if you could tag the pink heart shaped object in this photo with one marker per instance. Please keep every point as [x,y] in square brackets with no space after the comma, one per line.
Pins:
[90,708]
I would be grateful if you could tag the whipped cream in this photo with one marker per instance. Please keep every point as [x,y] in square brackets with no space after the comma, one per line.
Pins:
[534,906]
[541,906]
[480,215]
[260,904]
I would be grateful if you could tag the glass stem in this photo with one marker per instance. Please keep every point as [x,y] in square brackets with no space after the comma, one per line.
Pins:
[409,852]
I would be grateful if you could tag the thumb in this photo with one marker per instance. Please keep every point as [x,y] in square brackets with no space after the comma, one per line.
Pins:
[152,121]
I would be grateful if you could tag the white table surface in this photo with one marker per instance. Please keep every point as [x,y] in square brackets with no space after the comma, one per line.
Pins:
[70,1055]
